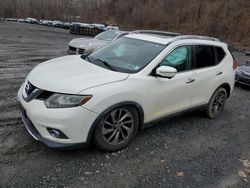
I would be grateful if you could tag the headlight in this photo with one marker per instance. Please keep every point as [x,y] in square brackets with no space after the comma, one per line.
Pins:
[66,101]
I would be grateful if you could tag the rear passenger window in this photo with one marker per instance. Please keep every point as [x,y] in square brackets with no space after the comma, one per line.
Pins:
[220,54]
[204,56]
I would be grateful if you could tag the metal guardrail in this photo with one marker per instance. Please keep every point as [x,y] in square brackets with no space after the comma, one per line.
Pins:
[81,30]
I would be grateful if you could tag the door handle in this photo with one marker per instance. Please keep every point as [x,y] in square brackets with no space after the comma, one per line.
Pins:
[190,80]
[219,73]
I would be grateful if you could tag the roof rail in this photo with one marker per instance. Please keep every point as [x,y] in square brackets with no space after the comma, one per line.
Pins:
[155,32]
[182,37]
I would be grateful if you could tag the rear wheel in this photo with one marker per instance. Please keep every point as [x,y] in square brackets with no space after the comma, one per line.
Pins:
[116,129]
[217,103]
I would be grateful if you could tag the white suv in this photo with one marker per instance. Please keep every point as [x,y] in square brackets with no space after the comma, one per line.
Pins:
[123,87]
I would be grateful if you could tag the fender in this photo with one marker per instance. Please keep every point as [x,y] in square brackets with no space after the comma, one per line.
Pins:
[126,103]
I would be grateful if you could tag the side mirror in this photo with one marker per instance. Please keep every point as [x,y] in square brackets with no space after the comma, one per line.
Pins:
[166,72]
[248,53]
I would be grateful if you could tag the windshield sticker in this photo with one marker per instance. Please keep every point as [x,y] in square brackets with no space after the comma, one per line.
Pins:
[133,67]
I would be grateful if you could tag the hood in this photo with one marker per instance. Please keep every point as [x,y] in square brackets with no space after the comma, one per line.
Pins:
[95,44]
[71,74]
[84,43]
[245,67]
[79,41]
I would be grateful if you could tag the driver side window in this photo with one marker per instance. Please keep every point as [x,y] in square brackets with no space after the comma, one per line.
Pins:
[178,59]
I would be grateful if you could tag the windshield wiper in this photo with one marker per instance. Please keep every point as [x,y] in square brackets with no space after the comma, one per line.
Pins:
[85,57]
[106,64]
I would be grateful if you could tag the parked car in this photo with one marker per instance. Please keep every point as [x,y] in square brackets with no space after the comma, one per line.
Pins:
[121,88]
[11,19]
[57,24]
[66,25]
[31,21]
[242,73]
[100,27]
[87,46]
[111,27]
[21,20]
[46,22]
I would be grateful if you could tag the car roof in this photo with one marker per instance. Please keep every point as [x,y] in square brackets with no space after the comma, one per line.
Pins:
[165,39]
[150,37]
[119,31]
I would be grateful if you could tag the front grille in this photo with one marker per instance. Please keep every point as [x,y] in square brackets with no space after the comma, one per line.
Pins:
[243,76]
[242,79]
[30,92]
[81,51]
[29,88]
[72,48]
[247,75]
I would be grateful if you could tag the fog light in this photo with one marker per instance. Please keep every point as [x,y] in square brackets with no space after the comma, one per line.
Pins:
[56,133]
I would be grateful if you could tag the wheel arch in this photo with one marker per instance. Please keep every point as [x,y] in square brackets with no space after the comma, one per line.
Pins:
[137,106]
[227,87]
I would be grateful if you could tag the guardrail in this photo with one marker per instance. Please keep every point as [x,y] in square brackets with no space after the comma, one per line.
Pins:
[80,30]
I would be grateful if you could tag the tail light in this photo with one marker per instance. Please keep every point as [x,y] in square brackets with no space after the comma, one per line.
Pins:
[235,65]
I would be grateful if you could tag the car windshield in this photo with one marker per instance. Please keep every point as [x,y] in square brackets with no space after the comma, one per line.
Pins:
[107,35]
[126,55]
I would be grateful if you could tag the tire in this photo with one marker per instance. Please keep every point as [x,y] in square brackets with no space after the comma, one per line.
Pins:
[116,129]
[216,103]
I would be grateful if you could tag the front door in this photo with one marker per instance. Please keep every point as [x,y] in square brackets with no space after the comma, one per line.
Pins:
[169,96]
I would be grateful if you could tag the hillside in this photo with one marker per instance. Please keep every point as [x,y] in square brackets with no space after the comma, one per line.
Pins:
[228,20]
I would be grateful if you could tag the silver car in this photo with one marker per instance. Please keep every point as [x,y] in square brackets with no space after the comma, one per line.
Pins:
[87,46]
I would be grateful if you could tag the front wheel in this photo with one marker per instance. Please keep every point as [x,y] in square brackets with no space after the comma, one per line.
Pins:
[217,103]
[116,129]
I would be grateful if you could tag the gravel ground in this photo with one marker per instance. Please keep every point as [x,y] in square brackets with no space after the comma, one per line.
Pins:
[189,151]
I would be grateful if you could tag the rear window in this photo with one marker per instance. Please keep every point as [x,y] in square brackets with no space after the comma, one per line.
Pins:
[204,56]
[220,54]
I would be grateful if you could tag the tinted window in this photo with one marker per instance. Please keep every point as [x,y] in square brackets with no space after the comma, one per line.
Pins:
[204,56]
[177,59]
[220,54]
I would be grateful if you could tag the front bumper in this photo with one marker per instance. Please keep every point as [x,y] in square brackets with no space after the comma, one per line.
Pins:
[241,79]
[71,52]
[75,51]
[75,123]
[36,135]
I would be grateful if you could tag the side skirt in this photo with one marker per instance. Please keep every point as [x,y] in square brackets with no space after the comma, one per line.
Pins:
[172,116]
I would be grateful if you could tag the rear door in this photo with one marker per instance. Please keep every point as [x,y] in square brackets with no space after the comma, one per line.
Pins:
[209,72]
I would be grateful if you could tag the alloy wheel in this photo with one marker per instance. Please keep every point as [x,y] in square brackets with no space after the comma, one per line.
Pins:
[218,103]
[117,126]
